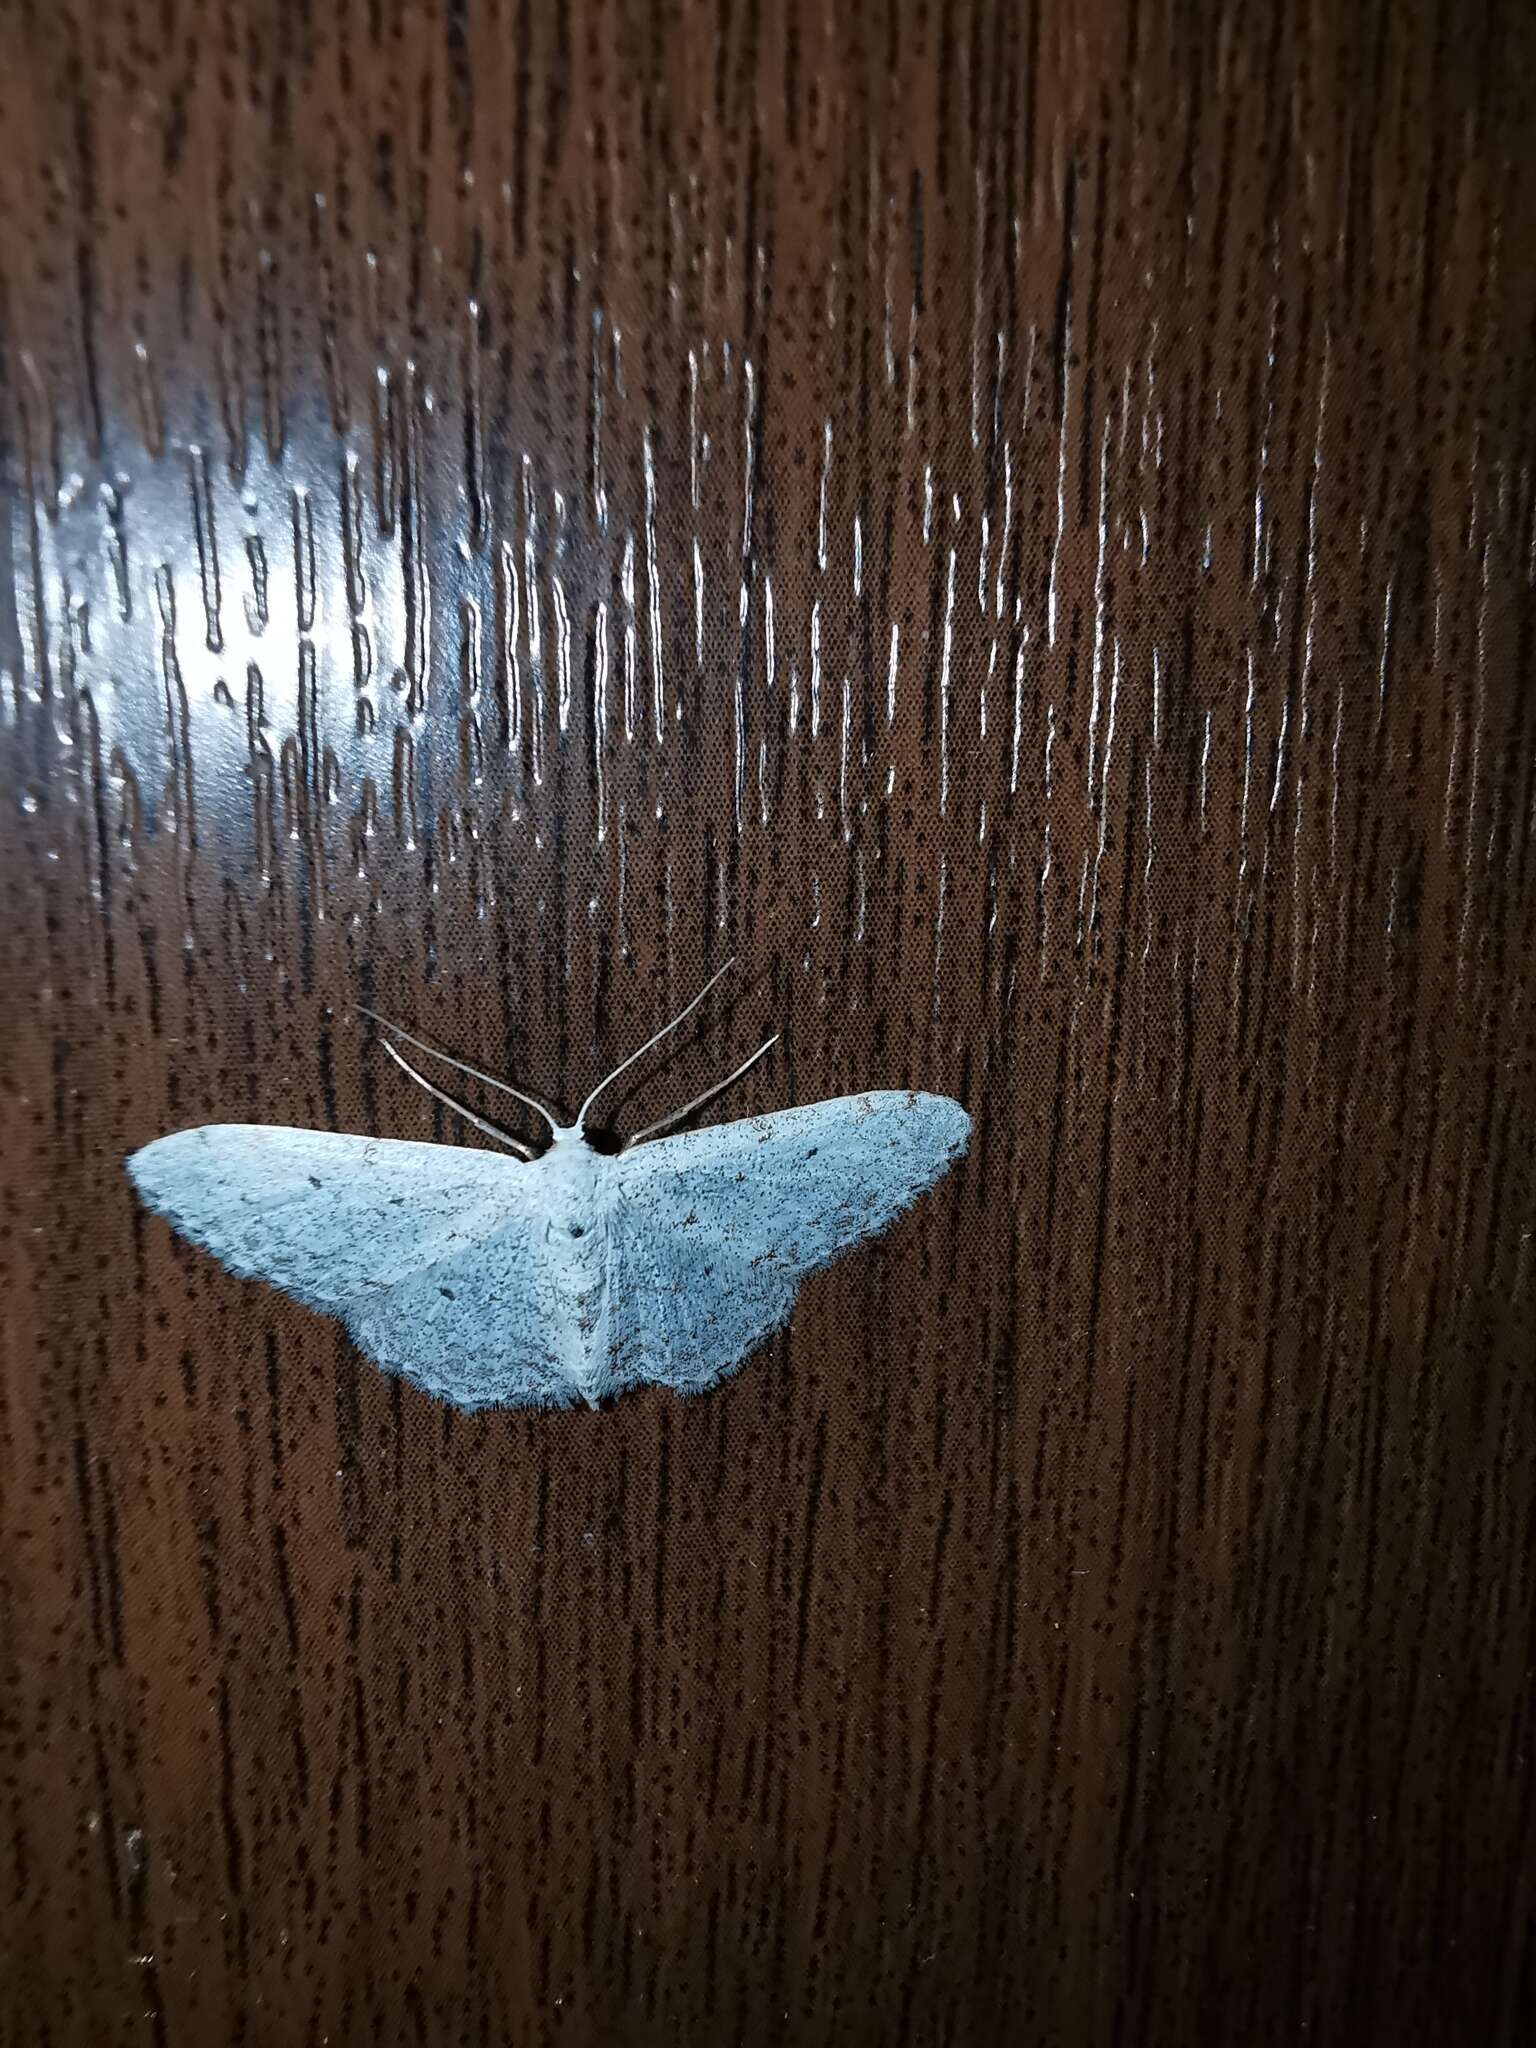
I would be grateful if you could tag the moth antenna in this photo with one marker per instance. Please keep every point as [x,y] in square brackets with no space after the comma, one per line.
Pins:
[698,1102]
[682,1015]
[463,1066]
[491,1131]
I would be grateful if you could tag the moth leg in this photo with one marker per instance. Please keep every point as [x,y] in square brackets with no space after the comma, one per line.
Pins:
[463,1065]
[672,1025]
[491,1130]
[676,1117]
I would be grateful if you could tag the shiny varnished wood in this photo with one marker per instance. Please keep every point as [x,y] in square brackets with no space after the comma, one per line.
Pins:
[1018,523]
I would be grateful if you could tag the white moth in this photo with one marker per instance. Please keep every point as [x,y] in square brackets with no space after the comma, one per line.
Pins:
[534,1282]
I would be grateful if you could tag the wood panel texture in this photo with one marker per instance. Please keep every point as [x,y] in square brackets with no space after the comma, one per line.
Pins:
[1019,524]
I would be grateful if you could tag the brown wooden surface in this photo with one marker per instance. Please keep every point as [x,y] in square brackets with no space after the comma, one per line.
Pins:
[1106,1617]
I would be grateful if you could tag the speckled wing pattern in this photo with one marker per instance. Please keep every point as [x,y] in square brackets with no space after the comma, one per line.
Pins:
[715,1230]
[439,1259]
[377,1231]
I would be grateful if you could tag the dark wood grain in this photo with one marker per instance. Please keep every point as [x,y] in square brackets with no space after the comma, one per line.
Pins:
[1018,523]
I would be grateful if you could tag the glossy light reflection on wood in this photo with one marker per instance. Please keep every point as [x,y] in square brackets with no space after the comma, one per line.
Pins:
[1018,522]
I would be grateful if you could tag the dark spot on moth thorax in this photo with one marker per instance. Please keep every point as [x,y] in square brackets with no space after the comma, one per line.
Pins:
[315,1181]
[447,1293]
